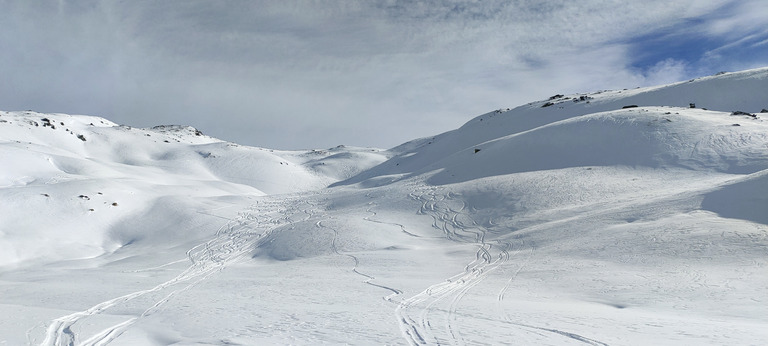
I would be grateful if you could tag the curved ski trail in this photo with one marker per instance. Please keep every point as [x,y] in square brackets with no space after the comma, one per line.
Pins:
[230,243]
[368,278]
[450,216]
[432,316]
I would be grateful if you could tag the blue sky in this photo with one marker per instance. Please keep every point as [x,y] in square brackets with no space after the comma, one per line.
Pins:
[723,39]
[315,74]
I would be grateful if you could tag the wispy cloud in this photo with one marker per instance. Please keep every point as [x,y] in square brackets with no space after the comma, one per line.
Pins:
[295,74]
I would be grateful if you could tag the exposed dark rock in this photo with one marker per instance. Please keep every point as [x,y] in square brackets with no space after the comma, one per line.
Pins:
[743,113]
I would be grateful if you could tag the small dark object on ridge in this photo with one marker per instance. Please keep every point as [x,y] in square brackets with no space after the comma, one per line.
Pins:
[547,104]
[764,110]
[476,150]
[692,105]
[555,97]
[629,106]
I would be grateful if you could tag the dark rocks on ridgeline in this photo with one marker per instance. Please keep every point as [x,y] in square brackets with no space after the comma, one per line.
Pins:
[743,113]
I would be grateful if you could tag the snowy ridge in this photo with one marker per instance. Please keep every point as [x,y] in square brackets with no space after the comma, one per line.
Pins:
[615,217]
[664,102]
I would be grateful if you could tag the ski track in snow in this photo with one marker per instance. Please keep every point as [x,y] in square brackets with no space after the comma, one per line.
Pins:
[431,317]
[419,315]
[231,243]
[368,278]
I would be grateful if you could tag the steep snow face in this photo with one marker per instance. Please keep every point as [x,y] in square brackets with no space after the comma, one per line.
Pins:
[542,126]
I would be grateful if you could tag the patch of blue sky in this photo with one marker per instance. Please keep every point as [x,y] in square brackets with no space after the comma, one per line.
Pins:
[701,51]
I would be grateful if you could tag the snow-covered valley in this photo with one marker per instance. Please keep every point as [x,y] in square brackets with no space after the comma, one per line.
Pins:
[622,217]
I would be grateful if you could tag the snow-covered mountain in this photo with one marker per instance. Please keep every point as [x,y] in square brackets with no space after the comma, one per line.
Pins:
[617,217]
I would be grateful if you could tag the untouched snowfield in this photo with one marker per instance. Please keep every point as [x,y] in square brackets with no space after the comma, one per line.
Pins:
[572,220]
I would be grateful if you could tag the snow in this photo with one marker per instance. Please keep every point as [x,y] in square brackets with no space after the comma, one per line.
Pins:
[582,222]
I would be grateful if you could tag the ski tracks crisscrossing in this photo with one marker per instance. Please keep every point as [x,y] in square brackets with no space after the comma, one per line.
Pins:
[231,243]
[432,316]
[438,304]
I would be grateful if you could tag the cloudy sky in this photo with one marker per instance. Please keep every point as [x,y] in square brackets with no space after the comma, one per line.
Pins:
[315,74]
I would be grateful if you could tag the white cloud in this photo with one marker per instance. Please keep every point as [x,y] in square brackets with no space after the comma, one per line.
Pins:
[737,19]
[311,74]
[666,71]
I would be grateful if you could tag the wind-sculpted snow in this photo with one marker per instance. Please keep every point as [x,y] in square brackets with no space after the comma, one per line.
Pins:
[571,220]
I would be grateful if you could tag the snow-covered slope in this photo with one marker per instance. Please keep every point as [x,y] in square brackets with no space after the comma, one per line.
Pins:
[551,130]
[572,220]
[83,178]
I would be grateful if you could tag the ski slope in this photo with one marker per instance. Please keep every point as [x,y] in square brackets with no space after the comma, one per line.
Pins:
[620,217]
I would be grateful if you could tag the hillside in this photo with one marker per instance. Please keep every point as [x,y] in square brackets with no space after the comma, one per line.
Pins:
[614,217]
[543,121]
[63,170]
